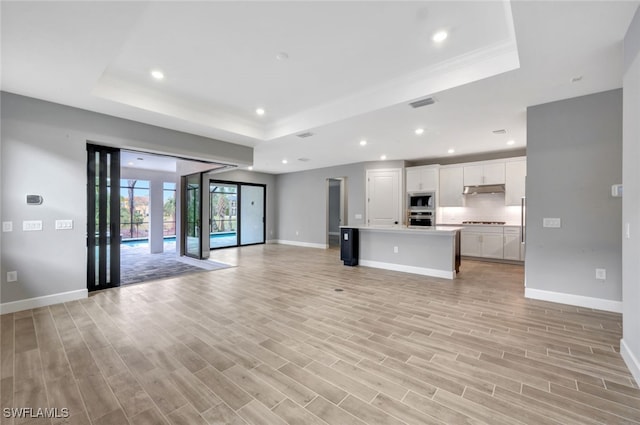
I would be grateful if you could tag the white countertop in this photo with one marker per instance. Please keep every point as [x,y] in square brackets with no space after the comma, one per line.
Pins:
[441,230]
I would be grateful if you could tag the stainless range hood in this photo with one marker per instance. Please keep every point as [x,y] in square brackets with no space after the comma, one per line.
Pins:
[487,188]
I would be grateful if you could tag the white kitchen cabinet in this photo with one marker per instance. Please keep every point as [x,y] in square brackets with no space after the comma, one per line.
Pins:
[512,245]
[492,245]
[492,173]
[422,179]
[451,186]
[482,241]
[515,179]
[471,243]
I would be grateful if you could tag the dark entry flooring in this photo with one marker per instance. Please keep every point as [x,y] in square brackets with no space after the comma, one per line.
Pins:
[137,264]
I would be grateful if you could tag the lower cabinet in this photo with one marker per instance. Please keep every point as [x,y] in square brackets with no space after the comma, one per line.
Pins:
[512,245]
[491,242]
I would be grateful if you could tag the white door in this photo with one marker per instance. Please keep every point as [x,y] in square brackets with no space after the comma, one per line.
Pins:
[252,214]
[384,204]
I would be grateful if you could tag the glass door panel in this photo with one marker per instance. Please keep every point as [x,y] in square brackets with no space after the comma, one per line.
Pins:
[223,214]
[193,215]
[252,214]
[103,218]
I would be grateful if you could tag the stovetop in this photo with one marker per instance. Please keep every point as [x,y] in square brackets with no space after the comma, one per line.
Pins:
[485,222]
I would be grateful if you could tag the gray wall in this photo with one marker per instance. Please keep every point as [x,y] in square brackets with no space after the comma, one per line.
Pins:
[631,199]
[302,200]
[574,155]
[244,176]
[44,152]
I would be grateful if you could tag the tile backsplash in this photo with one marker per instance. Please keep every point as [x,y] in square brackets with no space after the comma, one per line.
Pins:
[481,207]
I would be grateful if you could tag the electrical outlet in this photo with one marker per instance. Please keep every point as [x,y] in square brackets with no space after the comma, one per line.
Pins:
[601,274]
[12,276]
[64,224]
[395,249]
[551,222]
[31,225]
[7,226]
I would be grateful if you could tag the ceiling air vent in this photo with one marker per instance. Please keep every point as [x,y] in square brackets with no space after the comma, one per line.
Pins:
[423,102]
[307,134]
[303,159]
[501,131]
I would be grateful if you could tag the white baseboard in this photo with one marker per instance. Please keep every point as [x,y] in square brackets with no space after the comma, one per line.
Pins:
[631,360]
[304,244]
[445,274]
[29,303]
[576,300]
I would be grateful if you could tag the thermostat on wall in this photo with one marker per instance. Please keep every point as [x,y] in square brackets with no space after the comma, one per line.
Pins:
[616,190]
[34,200]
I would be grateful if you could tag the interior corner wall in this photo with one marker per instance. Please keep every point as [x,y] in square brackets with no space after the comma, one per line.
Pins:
[630,344]
[244,176]
[44,153]
[574,155]
[302,201]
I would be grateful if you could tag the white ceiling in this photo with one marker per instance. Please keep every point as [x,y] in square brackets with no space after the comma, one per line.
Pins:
[352,68]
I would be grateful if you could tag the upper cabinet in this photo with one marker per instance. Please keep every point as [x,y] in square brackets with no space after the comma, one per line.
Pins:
[492,173]
[515,188]
[422,179]
[451,183]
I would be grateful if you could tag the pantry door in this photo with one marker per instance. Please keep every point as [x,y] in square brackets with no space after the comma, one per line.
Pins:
[384,201]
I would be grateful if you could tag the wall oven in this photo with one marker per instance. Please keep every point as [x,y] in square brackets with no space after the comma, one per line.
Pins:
[421,219]
[421,207]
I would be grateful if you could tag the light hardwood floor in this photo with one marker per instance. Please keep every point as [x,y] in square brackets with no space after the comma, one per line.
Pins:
[272,342]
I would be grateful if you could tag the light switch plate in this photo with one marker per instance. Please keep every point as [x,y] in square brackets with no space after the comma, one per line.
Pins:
[551,222]
[31,225]
[7,226]
[358,216]
[64,224]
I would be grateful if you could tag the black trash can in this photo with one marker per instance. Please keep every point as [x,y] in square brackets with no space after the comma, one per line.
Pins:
[349,246]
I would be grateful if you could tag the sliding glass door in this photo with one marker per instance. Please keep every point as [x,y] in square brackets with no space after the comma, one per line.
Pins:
[223,214]
[192,213]
[236,214]
[103,217]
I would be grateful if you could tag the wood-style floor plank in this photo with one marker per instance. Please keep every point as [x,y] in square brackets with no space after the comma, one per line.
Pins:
[271,342]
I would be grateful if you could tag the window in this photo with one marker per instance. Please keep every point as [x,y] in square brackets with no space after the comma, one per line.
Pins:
[169,210]
[134,209]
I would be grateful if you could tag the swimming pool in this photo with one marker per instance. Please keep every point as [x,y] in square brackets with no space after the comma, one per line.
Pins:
[215,240]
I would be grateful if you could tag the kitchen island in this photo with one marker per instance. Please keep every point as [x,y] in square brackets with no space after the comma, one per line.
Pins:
[429,251]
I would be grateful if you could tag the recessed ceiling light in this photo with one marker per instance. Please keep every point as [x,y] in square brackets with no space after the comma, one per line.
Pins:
[363,142]
[250,168]
[157,74]
[383,157]
[260,111]
[440,36]
[576,79]
[451,151]
[130,164]
[511,142]
[419,131]
[284,161]
[282,56]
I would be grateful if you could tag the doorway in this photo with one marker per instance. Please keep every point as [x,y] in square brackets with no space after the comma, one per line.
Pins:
[336,209]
